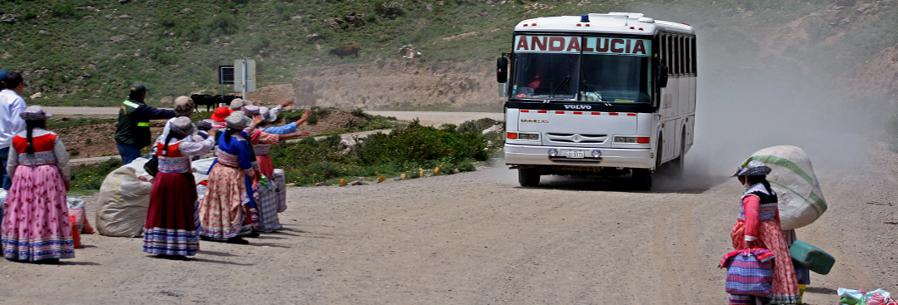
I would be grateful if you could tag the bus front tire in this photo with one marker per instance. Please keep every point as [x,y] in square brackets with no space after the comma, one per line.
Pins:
[642,179]
[528,177]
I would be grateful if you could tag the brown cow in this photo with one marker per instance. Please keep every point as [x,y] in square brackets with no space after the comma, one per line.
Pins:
[345,51]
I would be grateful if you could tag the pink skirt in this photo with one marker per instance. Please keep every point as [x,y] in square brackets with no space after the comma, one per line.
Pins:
[221,213]
[36,225]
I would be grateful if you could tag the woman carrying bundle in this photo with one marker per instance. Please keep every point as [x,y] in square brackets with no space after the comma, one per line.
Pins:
[758,226]
[36,226]
[170,229]
[222,211]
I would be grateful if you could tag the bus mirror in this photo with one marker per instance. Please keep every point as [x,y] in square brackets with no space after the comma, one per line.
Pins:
[662,76]
[502,70]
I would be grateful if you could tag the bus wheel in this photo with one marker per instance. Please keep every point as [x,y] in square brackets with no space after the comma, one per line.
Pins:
[528,177]
[642,179]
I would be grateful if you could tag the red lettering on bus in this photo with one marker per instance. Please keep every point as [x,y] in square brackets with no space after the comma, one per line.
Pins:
[639,47]
[536,43]
[522,44]
[586,47]
[556,44]
[601,48]
[614,47]
[628,46]
[574,45]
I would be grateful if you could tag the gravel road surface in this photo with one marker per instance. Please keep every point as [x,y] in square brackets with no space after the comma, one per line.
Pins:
[479,238]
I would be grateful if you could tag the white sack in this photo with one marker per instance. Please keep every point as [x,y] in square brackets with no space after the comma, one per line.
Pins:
[800,199]
[123,200]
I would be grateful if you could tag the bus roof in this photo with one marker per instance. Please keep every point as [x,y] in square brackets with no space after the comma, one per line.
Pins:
[614,22]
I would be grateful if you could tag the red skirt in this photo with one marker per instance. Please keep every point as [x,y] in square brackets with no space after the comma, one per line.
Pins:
[170,227]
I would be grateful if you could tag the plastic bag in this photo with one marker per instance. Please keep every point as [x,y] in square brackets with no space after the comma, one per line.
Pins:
[853,297]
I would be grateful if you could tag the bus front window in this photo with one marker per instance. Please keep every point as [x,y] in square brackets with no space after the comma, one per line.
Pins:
[615,79]
[545,76]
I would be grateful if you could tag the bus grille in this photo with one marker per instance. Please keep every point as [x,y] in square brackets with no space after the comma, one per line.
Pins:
[576,138]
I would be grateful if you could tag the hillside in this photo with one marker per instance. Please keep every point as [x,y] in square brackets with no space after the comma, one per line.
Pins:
[87,52]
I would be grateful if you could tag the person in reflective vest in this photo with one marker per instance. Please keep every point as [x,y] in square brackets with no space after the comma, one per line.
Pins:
[133,130]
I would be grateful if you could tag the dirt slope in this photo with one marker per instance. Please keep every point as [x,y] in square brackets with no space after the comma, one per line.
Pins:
[397,83]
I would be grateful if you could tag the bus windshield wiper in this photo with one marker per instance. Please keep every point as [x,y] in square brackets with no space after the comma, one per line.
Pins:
[563,83]
[599,95]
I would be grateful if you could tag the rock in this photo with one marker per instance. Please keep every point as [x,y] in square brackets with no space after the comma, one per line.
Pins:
[43,32]
[233,11]
[430,6]
[187,10]
[9,18]
[167,100]
[354,19]
[118,38]
[334,22]
[123,1]
[313,37]
[125,16]
[494,128]
[407,51]
[358,182]
[36,95]
[296,18]
[6,55]
[320,184]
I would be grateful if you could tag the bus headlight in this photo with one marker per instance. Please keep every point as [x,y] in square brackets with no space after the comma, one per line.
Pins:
[553,152]
[596,153]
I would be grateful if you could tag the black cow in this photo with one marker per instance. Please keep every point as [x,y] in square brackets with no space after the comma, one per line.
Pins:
[211,101]
[345,51]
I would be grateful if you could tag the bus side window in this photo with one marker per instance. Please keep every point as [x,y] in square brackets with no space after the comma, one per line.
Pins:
[667,53]
[688,47]
[694,57]
[676,55]
[682,40]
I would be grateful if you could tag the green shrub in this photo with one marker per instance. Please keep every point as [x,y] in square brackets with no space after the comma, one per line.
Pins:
[90,177]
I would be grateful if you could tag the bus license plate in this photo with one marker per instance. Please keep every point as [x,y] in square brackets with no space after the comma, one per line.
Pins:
[574,154]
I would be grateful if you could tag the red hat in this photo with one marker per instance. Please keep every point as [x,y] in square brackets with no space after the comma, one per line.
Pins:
[220,114]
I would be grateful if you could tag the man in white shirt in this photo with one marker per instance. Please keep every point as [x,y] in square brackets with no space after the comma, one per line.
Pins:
[11,106]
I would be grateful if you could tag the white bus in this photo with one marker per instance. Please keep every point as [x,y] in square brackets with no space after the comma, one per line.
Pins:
[608,94]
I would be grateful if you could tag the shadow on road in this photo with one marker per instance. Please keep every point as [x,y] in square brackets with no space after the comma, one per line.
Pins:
[663,183]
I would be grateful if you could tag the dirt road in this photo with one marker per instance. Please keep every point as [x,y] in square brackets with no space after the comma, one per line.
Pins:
[426,117]
[479,238]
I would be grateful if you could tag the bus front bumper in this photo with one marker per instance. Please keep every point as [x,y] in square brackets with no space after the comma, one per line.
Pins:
[610,157]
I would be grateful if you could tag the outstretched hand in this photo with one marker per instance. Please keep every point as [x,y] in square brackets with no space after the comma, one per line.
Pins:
[257,120]
[287,103]
[305,117]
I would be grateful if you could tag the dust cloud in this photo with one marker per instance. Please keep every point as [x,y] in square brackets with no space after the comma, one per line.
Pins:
[752,96]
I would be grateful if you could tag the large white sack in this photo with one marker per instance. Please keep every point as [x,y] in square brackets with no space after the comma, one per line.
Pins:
[200,168]
[800,199]
[123,201]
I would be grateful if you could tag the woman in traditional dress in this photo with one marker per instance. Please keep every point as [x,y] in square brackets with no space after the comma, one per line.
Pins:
[36,226]
[758,226]
[170,229]
[222,211]
[267,195]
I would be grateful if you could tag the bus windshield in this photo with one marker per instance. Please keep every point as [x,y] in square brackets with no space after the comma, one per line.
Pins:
[582,69]
[546,76]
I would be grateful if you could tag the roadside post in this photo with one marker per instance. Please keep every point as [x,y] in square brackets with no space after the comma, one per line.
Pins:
[245,76]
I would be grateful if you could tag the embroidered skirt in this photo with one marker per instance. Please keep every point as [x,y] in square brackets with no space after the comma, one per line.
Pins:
[170,227]
[36,222]
[785,282]
[222,212]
